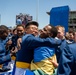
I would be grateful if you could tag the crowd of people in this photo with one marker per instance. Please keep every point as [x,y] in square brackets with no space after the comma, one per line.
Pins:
[27,50]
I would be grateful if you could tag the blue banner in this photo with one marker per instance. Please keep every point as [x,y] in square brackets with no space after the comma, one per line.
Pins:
[60,16]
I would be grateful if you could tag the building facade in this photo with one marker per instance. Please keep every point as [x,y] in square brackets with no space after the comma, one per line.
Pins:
[72,20]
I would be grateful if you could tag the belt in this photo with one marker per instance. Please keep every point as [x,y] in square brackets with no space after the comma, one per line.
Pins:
[13,58]
[22,64]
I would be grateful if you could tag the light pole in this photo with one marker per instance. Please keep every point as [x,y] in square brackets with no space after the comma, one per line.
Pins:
[37,10]
[0,19]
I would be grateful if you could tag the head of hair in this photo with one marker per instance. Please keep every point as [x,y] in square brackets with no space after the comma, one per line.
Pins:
[71,31]
[14,29]
[3,26]
[60,26]
[53,31]
[18,17]
[20,26]
[3,29]
[31,23]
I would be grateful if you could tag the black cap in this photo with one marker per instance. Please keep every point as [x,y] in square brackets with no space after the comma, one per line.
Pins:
[31,23]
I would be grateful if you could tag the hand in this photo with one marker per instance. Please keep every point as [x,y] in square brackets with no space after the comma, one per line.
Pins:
[55,64]
[14,50]
[9,42]
[19,41]
[11,54]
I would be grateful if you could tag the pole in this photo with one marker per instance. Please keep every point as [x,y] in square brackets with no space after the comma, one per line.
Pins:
[0,19]
[37,10]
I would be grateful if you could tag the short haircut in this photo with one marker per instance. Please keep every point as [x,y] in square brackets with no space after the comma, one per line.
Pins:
[14,29]
[20,26]
[3,29]
[3,26]
[59,26]
[71,31]
[53,30]
[31,23]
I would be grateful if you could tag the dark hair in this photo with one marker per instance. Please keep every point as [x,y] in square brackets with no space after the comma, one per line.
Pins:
[20,26]
[3,29]
[3,26]
[18,17]
[53,31]
[14,29]
[31,23]
[71,31]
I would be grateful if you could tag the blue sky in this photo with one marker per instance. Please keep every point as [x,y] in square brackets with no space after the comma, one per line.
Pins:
[10,8]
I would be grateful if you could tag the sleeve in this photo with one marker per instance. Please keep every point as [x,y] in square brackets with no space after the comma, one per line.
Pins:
[34,42]
[66,62]
[5,58]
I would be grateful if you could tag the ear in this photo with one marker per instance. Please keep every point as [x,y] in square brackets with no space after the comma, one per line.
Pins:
[50,34]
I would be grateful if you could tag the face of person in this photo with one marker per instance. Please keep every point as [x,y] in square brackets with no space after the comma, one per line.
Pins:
[20,31]
[32,29]
[71,36]
[45,32]
[15,32]
[60,34]
[4,35]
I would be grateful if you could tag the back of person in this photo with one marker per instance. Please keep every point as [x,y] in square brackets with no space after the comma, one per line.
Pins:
[59,49]
[42,60]
[67,63]
[73,51]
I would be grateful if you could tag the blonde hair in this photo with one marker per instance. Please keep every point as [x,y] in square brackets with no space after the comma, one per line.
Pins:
[59,26]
